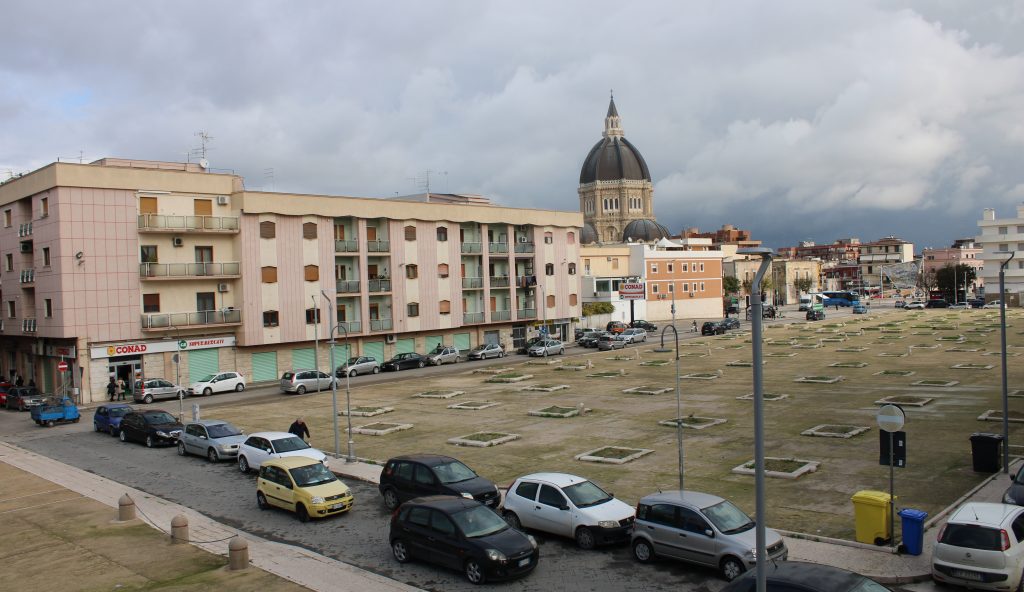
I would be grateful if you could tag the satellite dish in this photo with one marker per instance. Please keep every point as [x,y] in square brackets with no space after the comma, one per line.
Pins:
[204,163]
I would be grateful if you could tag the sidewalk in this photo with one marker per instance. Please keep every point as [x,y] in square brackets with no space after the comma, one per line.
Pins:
[298,565]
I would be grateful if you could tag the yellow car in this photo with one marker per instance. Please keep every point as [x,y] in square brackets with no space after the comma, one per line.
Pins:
[301,485]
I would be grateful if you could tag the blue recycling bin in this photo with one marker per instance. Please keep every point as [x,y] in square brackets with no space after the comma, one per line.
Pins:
[912,522]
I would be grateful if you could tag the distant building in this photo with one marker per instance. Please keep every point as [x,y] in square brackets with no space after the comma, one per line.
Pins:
[849,264]
[728,238]
[998,239]
[783,277]
[876,256]
[844,249]
[962,252]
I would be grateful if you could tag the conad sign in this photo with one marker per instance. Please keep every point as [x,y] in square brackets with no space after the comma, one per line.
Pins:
[636,291]
[152,347]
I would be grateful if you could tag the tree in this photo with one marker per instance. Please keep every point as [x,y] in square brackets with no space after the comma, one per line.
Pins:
[926,282]
[597,308]
[731,284]
[952,280]
[766,284]
[803,284]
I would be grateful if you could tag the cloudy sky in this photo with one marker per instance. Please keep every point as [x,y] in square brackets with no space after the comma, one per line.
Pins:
[798,120]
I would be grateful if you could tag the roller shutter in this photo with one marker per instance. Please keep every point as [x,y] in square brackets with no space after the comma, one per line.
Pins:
[303,359]
[433,341]
[201,363]
[374,349]
[462,341]
[264,366]
[405,346]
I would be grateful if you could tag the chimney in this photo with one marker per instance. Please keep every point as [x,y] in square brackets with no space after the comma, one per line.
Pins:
[989,214]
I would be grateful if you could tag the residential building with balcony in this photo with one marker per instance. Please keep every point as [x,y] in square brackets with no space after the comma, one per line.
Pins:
[998,239]
[783,280]
[961,252]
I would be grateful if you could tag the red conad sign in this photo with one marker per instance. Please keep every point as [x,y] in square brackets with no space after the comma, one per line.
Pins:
[120,350]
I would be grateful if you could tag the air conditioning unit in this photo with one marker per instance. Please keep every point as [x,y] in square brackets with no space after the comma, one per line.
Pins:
[178,241]
[523,239]
[223,287]
[389,339]
[222,200]
[26,247]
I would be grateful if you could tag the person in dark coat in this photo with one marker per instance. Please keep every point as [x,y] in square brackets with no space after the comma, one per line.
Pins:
[111,389]
[299,428]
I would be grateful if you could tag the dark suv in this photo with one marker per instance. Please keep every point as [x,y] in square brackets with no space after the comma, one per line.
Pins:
[645,325]
[712,328]
[417,475]
[936,303]
[815,315]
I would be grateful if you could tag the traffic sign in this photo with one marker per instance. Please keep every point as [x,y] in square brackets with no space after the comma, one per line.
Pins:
[891,418]
[62,366]
[897,442]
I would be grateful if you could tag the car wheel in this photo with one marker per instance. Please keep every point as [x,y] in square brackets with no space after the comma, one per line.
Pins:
[732,568]
[545,354]
[243,465]
[512,520]
[561,351]
[399,550]
[97,427]
[207,391]
[181,449]
[149,441]
[49,423]
[376,369]
[239,387]
[301,513]
[122,436]
[261,501]
[422,364]
[475,572]
[212,456]
[147,399]
[501,354]
[390,499]
[585,538]
[642,551]
[112,431]
[353,373]
[301,390]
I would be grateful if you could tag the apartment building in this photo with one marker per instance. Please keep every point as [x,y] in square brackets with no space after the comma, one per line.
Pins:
[962,252]
[783,280]
[137,269]
[999,239]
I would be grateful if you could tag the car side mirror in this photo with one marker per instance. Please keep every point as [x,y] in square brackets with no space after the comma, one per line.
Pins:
[203,437]
[709,533]
[563,507]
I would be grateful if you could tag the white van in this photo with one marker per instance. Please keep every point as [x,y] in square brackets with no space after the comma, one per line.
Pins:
[805,302]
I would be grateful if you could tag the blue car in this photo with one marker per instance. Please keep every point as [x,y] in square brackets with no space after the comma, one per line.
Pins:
[108,417]
[859,308]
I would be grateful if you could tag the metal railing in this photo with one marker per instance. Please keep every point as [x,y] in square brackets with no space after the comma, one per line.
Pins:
[348,286]
[25,229]
[526,281]
[191,319]
[153,270]
[526,313]
[497,247]
[352,326]
[346,246]
[472,283]
[378,246]
[188,223]
[380,324]
[499,281]
[501,315]
[28,276]
[28,325]
[379,285]
[472,317]
[524,247]
[472,247]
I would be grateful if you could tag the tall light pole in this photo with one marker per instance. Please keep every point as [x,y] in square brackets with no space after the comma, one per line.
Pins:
[1002,339]
[679,404]
[334,392]
[756,325]
[316,344]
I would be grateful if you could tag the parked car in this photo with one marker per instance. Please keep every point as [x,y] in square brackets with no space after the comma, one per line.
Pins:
[936,303]
[464,535]
[443,355]
[730,323]
[578,332]
[859,308]
[634,335]
[358,365]
[218,383]
[976,303]
[615,327]
[23,398]
[567,505]
[3,394]
[806,577]
[645,325]
[1014,494]
[958,306]
[107,417]
[700,528]
[486,350]
[301,485]
[816,315]
[548,347]
[900,304]
[915,305]
[417,475]
[302,381]
[155,389]
[981,547]
[610,341]
[213,438]
[151,427]
[993,304]
[591,339]
[712,328]
[403,362]
[262,446]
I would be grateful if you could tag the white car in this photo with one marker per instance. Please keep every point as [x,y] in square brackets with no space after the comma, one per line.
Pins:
[221,382]
[570,506]
[634,335]
[915,305]
[981,547]
[261,446]
[993,304]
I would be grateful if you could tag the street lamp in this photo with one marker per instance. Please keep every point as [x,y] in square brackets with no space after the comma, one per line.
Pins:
[316,344]
[756,325]
[1002,337]
[334,391]
[679,404]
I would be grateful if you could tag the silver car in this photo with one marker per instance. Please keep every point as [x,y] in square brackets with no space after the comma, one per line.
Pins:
[634,335]
[610,341]
[213,438]
[486,350]
[700,528]
[548,347]
[301,381]
[443,355]
[358,365]
[154,389]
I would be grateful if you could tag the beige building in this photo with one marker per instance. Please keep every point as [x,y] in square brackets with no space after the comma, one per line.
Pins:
[783,277]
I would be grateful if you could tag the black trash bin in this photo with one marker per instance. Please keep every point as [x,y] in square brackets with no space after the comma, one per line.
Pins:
[986,452]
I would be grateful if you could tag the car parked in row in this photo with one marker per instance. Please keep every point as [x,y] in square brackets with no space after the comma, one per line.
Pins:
[712,328]
[358,365]
[156,389]
[634,335]
[815,315]
[213,438]
[4,388]
[569,506]
[417,475]
[915,305]
[615,327]
[958,306]
[23,398]
[936,303]
[485,351]
[302,485]
[993,304]
[591,339]
[221,382]
[525,348]
[463,535]
[107,417]
[610,341]
[263,446]
[302,381]
[981,547]
[547,347]
[730,323]
[404,362]
[152,427]
[806,577]
[1015,493]
[441,355]
[642,324]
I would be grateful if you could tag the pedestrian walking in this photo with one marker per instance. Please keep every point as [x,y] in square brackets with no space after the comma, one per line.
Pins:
[120,389]
[111,389]
[693,328]
[299,428]
[19,380]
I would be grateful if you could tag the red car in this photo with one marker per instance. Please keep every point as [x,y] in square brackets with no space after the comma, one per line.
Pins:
[3,394]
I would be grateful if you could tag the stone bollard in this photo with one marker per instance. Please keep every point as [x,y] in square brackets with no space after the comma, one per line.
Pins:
[590,363]
[125,509]
[238,554]
[179,529]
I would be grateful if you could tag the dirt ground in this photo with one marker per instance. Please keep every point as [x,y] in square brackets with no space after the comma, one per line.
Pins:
[74,545]
[926,342]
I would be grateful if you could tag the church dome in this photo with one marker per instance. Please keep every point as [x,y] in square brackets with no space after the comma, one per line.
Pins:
[613,158]
[588,235]
[644,230]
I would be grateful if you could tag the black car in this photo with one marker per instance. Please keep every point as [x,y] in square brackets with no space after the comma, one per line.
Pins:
[403,362]
[645,325]
[730,323]
[464,535]
[806,577]
[976,303]
[936,303]
[1015,493]
[416,475]
[815,315]
[712,328]
[23,398]
[591,339]
[152,426]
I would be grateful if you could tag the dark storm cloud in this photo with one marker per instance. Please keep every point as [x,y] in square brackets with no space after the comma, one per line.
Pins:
[797,120]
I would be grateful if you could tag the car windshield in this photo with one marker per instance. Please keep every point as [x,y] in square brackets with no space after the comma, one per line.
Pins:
[223,430]
[310,475]
[118,411]
[453,472]
[480,348]
[290,444]
[586,494]
[352,361]
[727,518]
[401,356]
[207,378]
[972,537]
[479,521]
[158,417]
[867,585]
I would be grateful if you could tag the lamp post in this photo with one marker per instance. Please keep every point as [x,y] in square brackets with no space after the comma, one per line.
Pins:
[316,344]
[756,325]
[334,392]
[679,404]
[1002,340]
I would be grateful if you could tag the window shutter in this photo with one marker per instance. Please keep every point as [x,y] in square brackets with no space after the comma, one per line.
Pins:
[445,307]
[269,275]
[311,273]
[410,233]
[442,270]
[309,230]
[150,303]
[551,300]
[268,229]
[572,300]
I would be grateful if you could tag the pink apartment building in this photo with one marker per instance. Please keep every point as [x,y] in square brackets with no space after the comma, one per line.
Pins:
[963,251]
[141,269]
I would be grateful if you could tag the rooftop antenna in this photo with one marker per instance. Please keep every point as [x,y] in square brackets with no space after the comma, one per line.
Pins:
[268,177]
[204,139]
[423,182]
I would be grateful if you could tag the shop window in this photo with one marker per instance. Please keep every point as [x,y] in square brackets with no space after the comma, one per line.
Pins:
[413,309]
[150,303]
[270,318]
[309,230]
[311,273]
[268,229]
[410,233]
[269,275]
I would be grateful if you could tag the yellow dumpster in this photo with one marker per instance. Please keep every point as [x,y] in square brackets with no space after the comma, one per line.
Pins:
[871,516]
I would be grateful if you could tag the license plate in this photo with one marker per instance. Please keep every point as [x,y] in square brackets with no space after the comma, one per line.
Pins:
[337,506]
[524,562]
[967,575]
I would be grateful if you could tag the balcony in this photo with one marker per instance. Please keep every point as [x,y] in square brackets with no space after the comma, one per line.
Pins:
[499,281]
[471,318]
[348,286]
[351,326]
[379,285]
[472,248]
[524,247]
[497,247]
[381,325]
[472,283]
[180,320]
[346,246]
[501,315]
[28,325]
[527,313]
[167,271]
[164,223]
[25,229]
[526,281]
[378,246]
[28,276]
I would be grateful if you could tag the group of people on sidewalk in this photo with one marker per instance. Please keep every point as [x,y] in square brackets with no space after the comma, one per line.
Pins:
[116,390]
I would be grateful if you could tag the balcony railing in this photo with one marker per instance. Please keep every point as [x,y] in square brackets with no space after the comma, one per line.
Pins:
[187,270]
[378,246]
[346,246]
[348,286]
[472,283]
[526,281]
[379,285]
[162,223]
[28,276]
[28,325]
[524,247]
[25,229]
[381,324]
[527,313]
[472,247]
[469,318]
[497,247]
[352,326]
[176,320]
[501,315]
[499,281]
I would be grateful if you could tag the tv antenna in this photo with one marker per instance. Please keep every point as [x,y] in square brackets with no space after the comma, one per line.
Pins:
[204,139]
[422,181]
